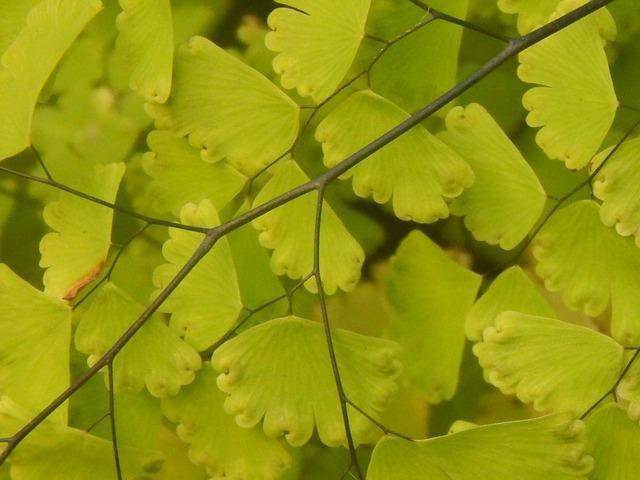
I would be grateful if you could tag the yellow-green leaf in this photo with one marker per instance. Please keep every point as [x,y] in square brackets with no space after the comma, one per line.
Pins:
[615,443]
[179,175]
[616,184]
[34,345]
[549,448]
[215,440]
[432,295]
[75,253]
[555,365]
[207,302]
[50,28]
[511,290]
[417,169]
[58,452]
[506,199]
[266,373]
[145,43]
[293,242]
[575,103]
[155,357]
[228,109]
[317,41]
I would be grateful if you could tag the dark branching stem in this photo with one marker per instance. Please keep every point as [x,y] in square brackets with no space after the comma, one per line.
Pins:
[97,422]
[210,239]
[437,14]
[319,183]
[112,420]
[327,332]
[378,424]
[42,164]
[65,188]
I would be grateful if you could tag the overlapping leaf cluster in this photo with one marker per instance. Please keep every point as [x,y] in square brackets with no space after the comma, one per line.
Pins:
[129,106]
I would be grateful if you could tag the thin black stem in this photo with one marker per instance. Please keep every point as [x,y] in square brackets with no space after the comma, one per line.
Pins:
[460,22]
[104,203]
[42,164]
[385,430]
[392,42]
[95,424]
[318,183]
[327,332]
[112,417]
[612,390]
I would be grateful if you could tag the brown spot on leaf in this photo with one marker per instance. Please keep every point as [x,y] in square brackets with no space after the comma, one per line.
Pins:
[83,281]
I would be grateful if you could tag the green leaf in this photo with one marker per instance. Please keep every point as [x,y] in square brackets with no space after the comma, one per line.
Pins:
[258,285]
[197,17]
[215,440]
[155,356]
[207,302]
[34,345]
[265,371]
[616,184]
[75,253]
[317,40]
[57,452]
[555,365]
[629,390]
[590,263]
[506,199]
[549,448]
[14,15]
[51,27]
[293,242]
[85,122]
[572,251]
[176,461]
[511,290]
[433,51]
[432,295]
[146,43]
[615,443]
[575,103]
[179,175]
[417,169]
[532,14]
[228,109]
